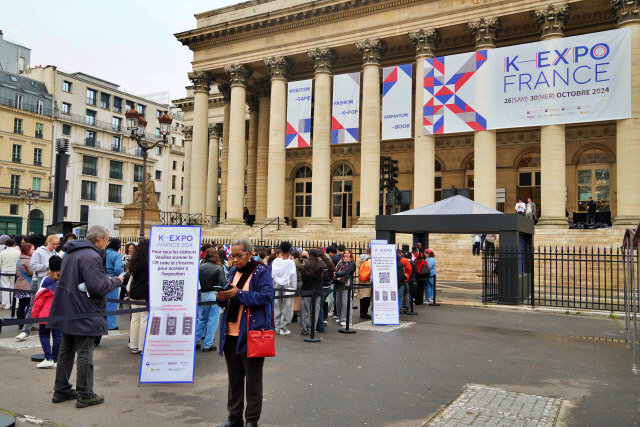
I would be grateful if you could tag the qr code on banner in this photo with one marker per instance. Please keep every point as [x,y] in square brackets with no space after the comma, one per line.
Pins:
[384,277]
[172,290]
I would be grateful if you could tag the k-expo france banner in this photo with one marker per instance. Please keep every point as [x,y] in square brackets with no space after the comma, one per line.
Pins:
[169,345]
[384,277]
[299,114]
[568,80]
[396,101]
[345,114]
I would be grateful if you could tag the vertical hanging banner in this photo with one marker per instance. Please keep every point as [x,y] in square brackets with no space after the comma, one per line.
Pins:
[299,114]
[396,101]
[169,344]
[450,101]
[345,114]
[384,276]
[577,79]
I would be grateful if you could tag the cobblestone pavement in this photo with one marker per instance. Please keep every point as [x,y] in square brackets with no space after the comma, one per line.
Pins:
[481,406]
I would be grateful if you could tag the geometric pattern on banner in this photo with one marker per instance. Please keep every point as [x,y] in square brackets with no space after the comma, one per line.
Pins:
[397,87]
[345,114]
[298,131]
[441,91]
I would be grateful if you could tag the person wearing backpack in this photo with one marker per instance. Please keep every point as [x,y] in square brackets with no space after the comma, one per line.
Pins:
[422,275]
[364,274]
[404,273]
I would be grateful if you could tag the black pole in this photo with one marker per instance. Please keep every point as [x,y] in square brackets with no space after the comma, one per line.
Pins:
[434,293]
[313,317]
[411,312]
[346,330]
[58,187]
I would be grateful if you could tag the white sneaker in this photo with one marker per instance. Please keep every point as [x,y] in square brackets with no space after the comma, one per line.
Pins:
[343,323]
[285,332]
[55,365]
[45,364]
[7,307]
[22,336]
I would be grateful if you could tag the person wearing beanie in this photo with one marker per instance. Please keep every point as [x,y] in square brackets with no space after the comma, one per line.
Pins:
[41,307]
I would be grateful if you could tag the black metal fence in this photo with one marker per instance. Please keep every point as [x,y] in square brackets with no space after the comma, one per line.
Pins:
[577,277]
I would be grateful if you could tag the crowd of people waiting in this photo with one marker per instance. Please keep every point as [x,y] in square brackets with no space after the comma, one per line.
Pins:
[32,266]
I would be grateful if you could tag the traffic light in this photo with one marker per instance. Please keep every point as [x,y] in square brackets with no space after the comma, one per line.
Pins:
[393,172]
[385,172]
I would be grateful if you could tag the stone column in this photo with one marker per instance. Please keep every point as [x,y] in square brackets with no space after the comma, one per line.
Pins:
[252,153]
[485,31]
[278,67]
[323,59]
[371,50]
[200,145]
[187,131]
[238,75]
[212,171]
[225,90]
[628,130]
[264,93]
[553,168]
[424,155]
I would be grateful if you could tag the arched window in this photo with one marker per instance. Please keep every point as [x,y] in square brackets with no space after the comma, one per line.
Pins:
[438,182]
[529,179]
[592,176]
[302,196]
[469,177]
[342,188]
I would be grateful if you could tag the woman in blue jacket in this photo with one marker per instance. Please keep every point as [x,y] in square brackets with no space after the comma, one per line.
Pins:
[249,299]
[114,267]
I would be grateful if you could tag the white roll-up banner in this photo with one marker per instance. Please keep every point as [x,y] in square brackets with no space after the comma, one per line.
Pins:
[584,78]
[169,346]
[299,114]
[345,114]
[397,85]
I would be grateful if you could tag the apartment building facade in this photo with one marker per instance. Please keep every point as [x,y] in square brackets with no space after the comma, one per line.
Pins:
[26,135]
[105,164]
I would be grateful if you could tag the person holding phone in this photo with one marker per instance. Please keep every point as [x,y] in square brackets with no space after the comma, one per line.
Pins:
[212,280]
[252,290]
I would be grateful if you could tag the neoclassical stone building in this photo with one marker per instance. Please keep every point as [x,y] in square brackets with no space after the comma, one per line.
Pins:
[244,55]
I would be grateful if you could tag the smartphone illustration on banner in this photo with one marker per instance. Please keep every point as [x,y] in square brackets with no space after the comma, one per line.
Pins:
[155,326]
[187,325]
[171,325]
[385,295]
[393,295]
[377,295]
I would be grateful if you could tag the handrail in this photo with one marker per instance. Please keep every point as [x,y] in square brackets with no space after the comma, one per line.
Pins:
[261,228]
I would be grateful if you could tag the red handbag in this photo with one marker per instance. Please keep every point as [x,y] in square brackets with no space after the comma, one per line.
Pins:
[260,343]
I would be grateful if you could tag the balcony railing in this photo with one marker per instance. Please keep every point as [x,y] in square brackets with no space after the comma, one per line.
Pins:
[87,196]
[89,171]
[90,142]
[34,108]
[91,101]
[115,175]
[108,126]
[115,199]
[16,192]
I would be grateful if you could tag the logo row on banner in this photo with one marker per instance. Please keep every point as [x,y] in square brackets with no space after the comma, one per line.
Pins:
[576,79]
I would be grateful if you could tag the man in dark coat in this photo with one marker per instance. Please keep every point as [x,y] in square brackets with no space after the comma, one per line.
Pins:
[82,265]
[591,211]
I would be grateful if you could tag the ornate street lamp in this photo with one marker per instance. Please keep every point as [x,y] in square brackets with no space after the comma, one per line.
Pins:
[136,124]
[27,197]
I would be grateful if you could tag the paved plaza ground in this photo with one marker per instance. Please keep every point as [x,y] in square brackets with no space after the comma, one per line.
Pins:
[482,366]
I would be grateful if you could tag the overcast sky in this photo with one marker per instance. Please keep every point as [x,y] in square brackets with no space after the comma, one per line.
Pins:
[127,42]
